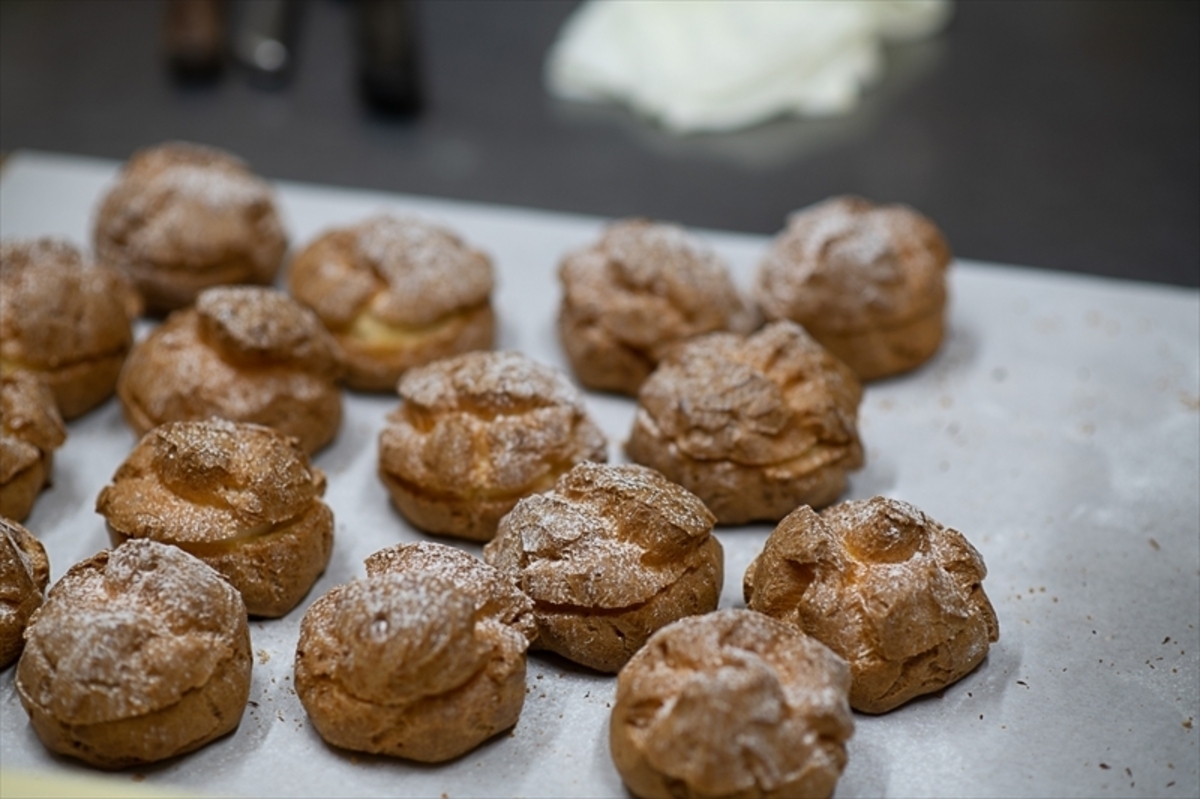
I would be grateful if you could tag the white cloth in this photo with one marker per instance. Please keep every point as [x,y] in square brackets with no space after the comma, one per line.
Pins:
[718,65]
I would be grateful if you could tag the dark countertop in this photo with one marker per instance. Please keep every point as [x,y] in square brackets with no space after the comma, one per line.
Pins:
[1063,135]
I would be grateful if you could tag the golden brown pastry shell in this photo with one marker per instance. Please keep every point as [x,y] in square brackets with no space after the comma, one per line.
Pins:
[65,319]
[605,640]
[470,517]
[477,432]
[894,592]
[139,654]
[731,704]
[753,425]
[24,574]
[610,555]
[190,368]
[31,429]
[374,367]
[396,292]
[886,351]
[183,217]
[867,281]
[496,595]
[642,287]
[408,664]
[242,498]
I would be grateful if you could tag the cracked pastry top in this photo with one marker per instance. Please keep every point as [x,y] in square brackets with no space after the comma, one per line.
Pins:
[610,555]
[66,319]
[641,288]
[244,353]
[867,281]
[731,704]
[476,432]
[396,292]
[183,217]
[423,659]
[139,654]
[886,587]
[753,425]
[24,574]
[241,497]
[31,429]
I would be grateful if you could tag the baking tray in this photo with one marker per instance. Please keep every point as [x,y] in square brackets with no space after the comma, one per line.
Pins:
[1058,428]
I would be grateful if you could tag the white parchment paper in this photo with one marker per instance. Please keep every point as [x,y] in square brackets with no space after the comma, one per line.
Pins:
[1058,428]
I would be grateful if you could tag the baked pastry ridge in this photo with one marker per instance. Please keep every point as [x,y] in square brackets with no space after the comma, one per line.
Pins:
[139,654]
[31,429]
[634,293]
[731,704]
[396,292]
[753,425]
[182,217]
[244,353]
[241,497]
[66,319]
[867,281]
[24,574]
[897,594]
[424,659]
[476,432]
[608,556]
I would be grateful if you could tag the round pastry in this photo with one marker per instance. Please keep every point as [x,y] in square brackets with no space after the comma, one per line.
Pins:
[24,573]
[752,425]
[731,704]
[612,554]
[140,653]
[886,587]
[396,292]
[634,293]
[867,281]
[424,659]
[496,595]
[477,432]
[31,429]
[66,319]
[183,217]
[241,497]
[244,353]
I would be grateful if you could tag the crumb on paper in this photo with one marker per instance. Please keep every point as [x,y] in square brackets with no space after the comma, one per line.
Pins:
[1190,401]
[1105,766]
[263,656]
[1187,723]
[139,777]
[1154,545]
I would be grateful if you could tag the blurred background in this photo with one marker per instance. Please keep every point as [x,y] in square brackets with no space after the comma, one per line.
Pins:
[1063,135]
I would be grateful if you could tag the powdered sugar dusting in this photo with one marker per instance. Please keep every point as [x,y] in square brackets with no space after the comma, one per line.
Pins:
[495,594]
[428,271]
[213,187]
[489,383]
[129,631]
[737,703]
[606,536]
[843,261]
